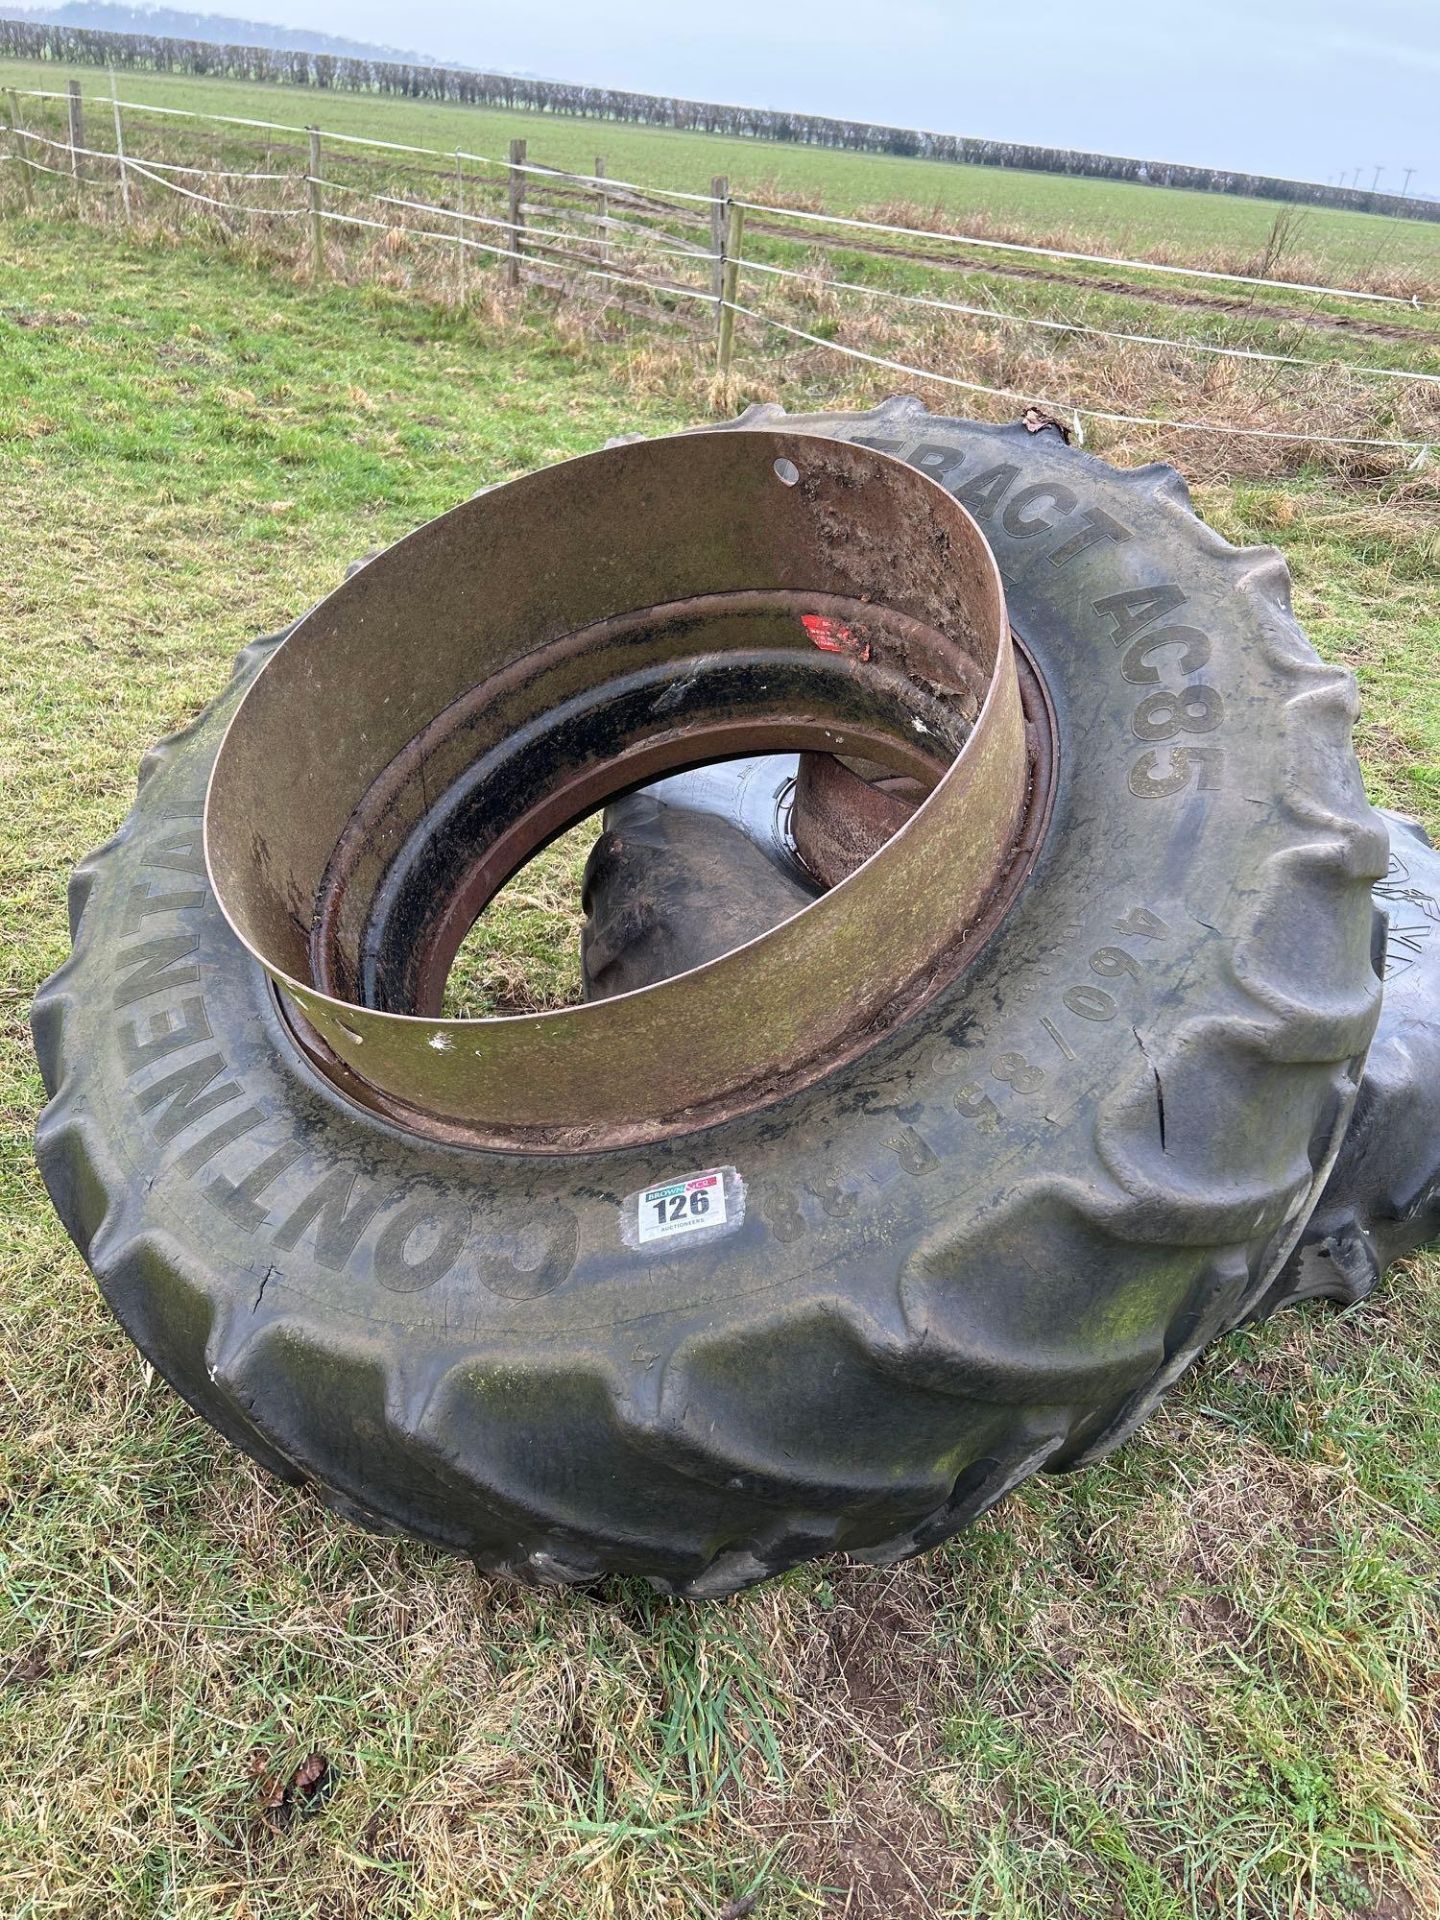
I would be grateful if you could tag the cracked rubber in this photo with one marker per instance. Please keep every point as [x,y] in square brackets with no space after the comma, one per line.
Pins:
[981,1247]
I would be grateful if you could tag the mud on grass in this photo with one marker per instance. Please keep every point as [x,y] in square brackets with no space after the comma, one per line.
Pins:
[1202,1679]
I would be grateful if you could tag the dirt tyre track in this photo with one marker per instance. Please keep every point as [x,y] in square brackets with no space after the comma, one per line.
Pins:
[983,1247]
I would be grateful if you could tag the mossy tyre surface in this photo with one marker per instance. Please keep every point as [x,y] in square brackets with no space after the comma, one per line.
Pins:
[981,1247]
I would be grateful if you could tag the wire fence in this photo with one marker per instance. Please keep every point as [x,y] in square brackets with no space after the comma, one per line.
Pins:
[685,256]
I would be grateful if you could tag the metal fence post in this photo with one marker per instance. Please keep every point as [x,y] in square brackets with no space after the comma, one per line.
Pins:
[317,212]
[22,165]
[719,201]
[77,129]
[517,210]
[729,286]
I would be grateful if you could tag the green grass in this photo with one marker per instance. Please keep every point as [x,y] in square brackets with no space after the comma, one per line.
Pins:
[1101,215]
[1200,1682]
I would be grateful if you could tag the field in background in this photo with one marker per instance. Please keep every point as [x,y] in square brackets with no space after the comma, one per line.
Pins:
[1260,379]
[1096,215]
[1201,1680]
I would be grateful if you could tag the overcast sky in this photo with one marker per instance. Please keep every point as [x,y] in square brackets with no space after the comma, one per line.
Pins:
[1306,88]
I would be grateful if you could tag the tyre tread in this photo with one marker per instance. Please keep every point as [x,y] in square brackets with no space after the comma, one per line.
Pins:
[1269,1019]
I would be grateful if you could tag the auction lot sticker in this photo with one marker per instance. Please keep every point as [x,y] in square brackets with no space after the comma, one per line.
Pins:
[683,1206]
[695,1203]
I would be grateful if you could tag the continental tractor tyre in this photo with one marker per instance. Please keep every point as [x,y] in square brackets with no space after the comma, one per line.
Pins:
[980,1242]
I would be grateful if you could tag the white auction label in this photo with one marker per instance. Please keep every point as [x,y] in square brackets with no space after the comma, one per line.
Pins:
[687,1205]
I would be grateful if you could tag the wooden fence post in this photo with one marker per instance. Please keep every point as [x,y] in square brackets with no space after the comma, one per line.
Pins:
[17,128]
[77,130]
[120,151]
[730,286]
[517,210]
[317,219]
[604,214]
[719,200]
[461,289]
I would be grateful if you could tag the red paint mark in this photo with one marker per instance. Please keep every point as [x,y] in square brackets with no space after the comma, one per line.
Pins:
[833,636]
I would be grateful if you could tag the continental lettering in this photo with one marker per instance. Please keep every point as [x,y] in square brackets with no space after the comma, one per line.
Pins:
[416,1246]
[142,904]
[168,1031]
[187,1095]
[182,852]
[239,1200]
[511,1275]
[419,1246]
[232,1128]
[338,1218]
[155,966]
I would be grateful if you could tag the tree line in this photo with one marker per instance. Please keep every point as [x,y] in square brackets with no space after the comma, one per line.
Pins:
[144,17]
[462,86]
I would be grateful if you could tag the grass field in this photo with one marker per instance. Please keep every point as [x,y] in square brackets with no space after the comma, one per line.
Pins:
[1288,381]
[1200,1680]
[1096,215]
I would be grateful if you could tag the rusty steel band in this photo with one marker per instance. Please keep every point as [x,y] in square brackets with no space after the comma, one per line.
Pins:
[507,666]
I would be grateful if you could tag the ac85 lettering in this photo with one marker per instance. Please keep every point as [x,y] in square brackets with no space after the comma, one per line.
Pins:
[1045,507]
[1165,714]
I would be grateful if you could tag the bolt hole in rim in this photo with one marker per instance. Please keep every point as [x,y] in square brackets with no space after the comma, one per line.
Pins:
[498,674]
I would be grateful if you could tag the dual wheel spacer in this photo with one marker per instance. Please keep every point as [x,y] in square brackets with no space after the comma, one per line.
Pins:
[831,1240]
[500,673]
